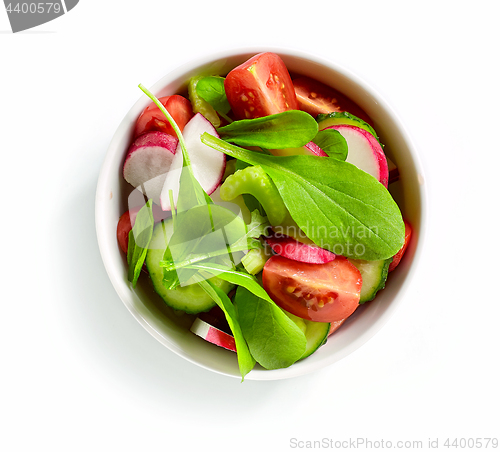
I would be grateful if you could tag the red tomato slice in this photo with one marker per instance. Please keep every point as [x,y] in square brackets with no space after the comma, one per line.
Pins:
[319,292]
[315,98]
[259,87]
[152,119]
[397,258]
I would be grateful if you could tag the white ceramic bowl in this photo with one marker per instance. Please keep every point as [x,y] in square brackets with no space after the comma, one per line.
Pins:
[172,330]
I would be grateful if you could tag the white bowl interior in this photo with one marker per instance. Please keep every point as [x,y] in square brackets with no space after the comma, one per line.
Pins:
[173,330]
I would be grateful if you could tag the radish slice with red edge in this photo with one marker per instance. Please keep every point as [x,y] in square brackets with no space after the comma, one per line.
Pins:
[148,161]
[208,164]
[292,249]
[213,335]
[365,152]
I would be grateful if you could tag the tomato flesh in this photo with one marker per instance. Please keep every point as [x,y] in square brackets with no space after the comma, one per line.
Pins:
[259,87]
[334,326]
[152,119]
[319,292]
[314,98]
[399,255]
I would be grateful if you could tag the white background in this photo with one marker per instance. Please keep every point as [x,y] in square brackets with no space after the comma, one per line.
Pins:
[79,373]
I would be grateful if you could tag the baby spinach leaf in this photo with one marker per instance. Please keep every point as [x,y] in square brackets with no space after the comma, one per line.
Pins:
[170,265]
[245,360]
[338,206]
[202,233]
[274,340]
[211,89]
[246,241]
[289,129]
[332,142]
[203,236]
[191,193]
[138,241]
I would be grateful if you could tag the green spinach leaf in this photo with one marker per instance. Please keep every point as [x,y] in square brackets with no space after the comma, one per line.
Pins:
[332,142]
[274,340]
[211,89]
[289,129]
[205,232]
[232,276]
[245,360]
[138,241]
[338,206]
[203,241]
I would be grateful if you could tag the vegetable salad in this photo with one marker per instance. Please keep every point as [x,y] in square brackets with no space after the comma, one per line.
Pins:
[267,215]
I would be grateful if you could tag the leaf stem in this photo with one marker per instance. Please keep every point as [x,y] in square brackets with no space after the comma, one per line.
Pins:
[172,208]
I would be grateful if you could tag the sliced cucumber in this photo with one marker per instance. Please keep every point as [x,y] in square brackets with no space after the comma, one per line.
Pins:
[343,117]
[316,333]
[374,274]
[192,298]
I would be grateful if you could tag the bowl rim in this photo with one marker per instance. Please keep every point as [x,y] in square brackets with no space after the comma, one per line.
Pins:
[107,169]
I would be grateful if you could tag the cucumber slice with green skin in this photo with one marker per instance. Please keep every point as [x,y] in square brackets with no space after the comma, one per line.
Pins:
[192,298]
[374,275]
[343,118]
[316,333]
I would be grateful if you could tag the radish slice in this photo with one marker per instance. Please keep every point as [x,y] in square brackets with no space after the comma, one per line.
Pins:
[292,249]
[207,163]
[147,162]
[314,149]
[310,148]
[213,335]
[365,152]
[172,182]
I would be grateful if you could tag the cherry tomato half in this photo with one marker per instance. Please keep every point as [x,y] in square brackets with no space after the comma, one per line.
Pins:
[320,292]
[152,119]
[259,87]
[315,98]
